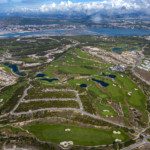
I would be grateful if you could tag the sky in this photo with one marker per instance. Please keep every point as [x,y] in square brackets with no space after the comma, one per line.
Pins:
[88,6]
[41,1]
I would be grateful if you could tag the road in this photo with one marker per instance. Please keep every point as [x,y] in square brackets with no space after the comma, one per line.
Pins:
[21,99]
[67,90]
[15,107]
[81,111]
[70,109]
[138,144]
[49,99]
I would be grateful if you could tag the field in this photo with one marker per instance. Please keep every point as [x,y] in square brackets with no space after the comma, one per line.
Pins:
[87,136]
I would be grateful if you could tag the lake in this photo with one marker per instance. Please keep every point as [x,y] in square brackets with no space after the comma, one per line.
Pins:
[75,32]
[15,69]
[83,85]
[112,76]
[40,75]
[102,83]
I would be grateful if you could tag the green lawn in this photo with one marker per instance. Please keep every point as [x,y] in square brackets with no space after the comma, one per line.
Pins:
[79,135]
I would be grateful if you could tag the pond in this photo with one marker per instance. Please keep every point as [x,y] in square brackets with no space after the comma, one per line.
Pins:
[40,75]
[111,76]
[102,83]
[15,69]
[49,79]
[83,85]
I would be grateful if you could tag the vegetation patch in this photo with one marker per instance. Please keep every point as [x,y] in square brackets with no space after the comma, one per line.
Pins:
[49,104]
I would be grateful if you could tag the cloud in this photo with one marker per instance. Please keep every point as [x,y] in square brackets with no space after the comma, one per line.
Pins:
[108,4]
[88,7]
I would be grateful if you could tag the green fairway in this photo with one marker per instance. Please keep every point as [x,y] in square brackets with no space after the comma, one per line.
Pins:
[77,62]
[79,135]
[79,67]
